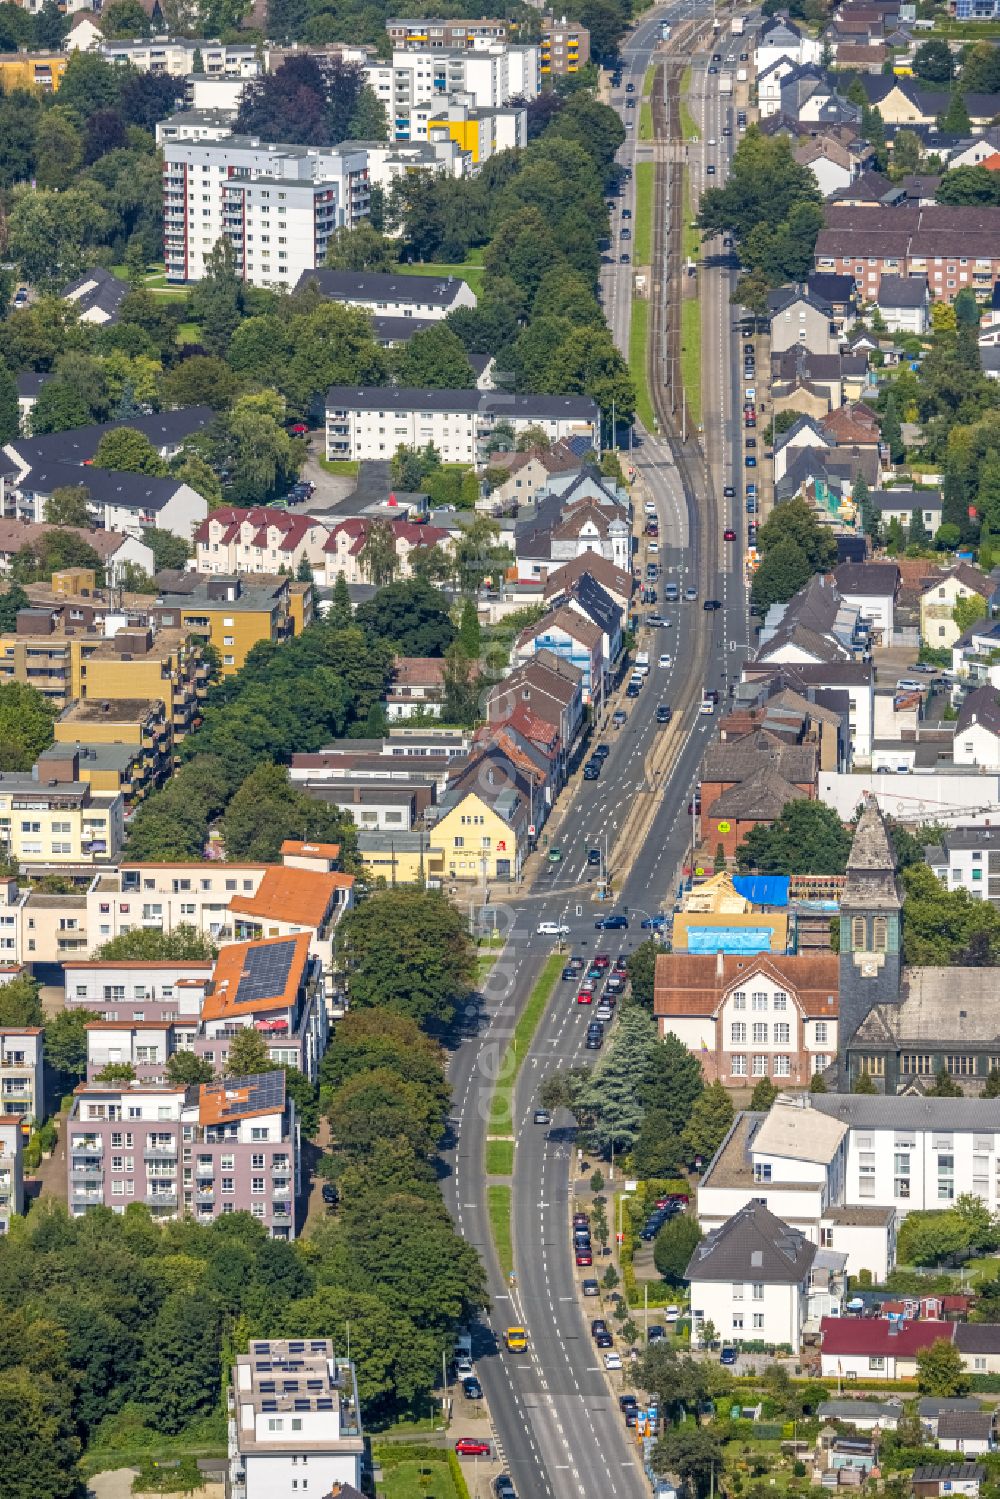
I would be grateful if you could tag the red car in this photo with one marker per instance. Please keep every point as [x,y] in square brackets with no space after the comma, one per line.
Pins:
[584,1257]
[729,534]
[585,997]
[298,429]
[472,1447]
[601,960]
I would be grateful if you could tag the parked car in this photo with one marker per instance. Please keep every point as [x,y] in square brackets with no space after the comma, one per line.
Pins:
[472,1447]
[614,922]
[472,1389]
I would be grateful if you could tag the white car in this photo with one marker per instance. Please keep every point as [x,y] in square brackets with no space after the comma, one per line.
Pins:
[552,929]
[712,140]
[654,548]
[464,1368]
[909,684]
[612,1361]
[666,659]
[649,507]
[671,1314]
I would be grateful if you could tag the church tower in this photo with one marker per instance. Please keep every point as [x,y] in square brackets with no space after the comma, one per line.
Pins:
[870,939]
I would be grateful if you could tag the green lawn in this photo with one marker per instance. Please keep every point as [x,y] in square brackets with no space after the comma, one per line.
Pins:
[188,333]
[502,1101]
[469,270]
[484,962]
[345,466]
[647,82]
[498,1200]
[691,356]
[689,126]
[433,1474]
[637,354]
[645,121]
[499,1157]
[691,237]
[642,253]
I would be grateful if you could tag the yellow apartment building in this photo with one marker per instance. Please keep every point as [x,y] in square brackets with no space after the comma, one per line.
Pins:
[41,70]
[233,614]
[51,820]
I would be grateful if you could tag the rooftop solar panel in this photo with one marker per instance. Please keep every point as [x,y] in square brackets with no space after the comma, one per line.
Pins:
[265,972]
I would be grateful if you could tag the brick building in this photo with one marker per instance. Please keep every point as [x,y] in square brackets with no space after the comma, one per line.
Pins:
[953,247]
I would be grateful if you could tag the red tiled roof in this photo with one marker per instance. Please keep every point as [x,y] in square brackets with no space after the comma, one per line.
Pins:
[874,1336]
[697,983]
[402,530]
[292,529]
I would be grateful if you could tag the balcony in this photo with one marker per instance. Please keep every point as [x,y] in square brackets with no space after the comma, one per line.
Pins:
[85,1171]
[162,1199]
[205,1194]
[92,1144]
[86,1195]
[281,1165]
[281,1194]
[160,1152]
[205,1169]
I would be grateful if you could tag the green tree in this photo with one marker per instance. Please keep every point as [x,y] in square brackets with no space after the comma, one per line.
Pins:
[341,613]
[268,808]
[642,972]
[39,1448]
[181,1367]
[933,61]
[125,450]
[440,967]
[816,1083]
[674,1245]
[946,926]
[763,1095]
[807,835]
[11,602]
[658,1151]
[186,1068]
[435,357]
[116,1072]
[201,380]
[955,120]
[695,1453]
[710,1119]
[944,1086]
[26,719]
[991,1088]
[182,944]
[58,149]
[66,1042]
[968,611]
[868,515]
[248,1054]
[863,1084]
[360,249]
[795,520]
[469,632]
[941,1372]
[218,298]
[10,412]
[377,553]
[67,505]
[917,534]
[20,1005]
[892,432]
[783,570]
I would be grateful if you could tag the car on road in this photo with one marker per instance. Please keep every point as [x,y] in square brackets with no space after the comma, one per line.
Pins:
[632,690]
[627,214]
[751,535]
[710,169]
[712,141]
[729,534]
[593,856]
[555,855]
[472,1389]
[463,1367]
[713,69]
[612,1361]
[630,88]
[604,1010]
[618,718]
[626,259]
[472,1447]
[573,967]
[690,594]
[614,922]
[909,684]
[604,1340]
[601,960]
[541,1116]
[727,130]
[551,929]
[664,713]
[656,621]
[592,769]
[601,751]
[585,997]
[654,923]
[728,491]
[590,1287]
[503,1487]
[750,461]
[594,1042]
[665,659]
[710,605]
[728,1357]
[625,234]
[585,1257]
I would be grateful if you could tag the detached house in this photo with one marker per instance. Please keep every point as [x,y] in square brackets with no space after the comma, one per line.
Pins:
[567,633]
[939,595]
[874,1348]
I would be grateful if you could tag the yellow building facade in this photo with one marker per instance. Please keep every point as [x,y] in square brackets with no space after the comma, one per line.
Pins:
[477,843]
[27,70]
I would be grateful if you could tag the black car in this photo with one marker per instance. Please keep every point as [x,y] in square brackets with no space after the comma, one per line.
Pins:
[729,491]
[598,1325]
[472,1389]
[664,714]
[594,1043]
[626,259]
[593,856]
[601,752]
[632,690]
[503,1487]
[591,772]
[330,1194]
[655,1334]
[604,1340]
[712,604]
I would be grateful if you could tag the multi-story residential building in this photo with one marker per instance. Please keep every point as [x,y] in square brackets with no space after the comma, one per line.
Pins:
[293,1408]
[755,1279]
[954,248]
[201,1152]
[487,75]
[744,1017]
[574,638]
[565,46]
[276,204]
[166,430]
[126,991]
[11,1170]
[136,724]
[435,36]
[196,125]
[939,594]
[968,859]
[167,895]
[274,985]
[176,56]
[479,132]
[121,502]
[260,540]
[22,1074]
[68,652]
[114,548]
[145,1046]
[344,550]
[59,823]
[231,614]
[308,895]
[385,295]
[372,422]
[32,70]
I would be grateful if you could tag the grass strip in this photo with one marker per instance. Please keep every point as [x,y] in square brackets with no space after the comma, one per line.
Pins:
[645,121]
[349,467]
[647,82]
[691,234]
[642,253]
[691,356]
[689,126]
[484,962]
[417,1471]
[638,347]
[498,1203]
[499,1157]
[502,1101]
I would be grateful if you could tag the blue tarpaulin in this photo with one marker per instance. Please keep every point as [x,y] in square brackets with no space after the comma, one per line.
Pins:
[741,939]
[763,889]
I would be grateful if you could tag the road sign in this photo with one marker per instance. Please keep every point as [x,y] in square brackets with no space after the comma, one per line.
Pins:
[531,830]
[724,827]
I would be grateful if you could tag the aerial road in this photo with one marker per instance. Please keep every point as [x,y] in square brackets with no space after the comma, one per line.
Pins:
[556,1421]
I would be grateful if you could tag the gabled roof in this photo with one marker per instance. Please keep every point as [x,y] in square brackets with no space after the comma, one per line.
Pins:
[753,1245]
[381,286]
[253,976]
[610,577]
[981,707]
[97,288]
[697,983]
[874,1337]
[976,1337]
[906,499]
[127,490]
[575,625]
[874,579]
[79,444]
[301,897]
[761,797]
[599,605]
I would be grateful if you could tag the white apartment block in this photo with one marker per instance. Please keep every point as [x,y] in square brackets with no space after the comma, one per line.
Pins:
[385,294]
[372,422]
[488,76]
[165,896]
[195,125]
[294,1421]
[968,859]
[11,1170]
[276,204]
[176,56]
[22,1074]
[121,989]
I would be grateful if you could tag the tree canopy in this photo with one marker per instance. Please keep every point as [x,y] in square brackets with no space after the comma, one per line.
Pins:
[807,837]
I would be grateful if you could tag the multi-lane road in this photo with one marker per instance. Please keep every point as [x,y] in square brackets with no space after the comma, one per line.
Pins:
[554,1414]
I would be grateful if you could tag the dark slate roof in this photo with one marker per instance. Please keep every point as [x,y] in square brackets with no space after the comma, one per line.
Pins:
[902,291]
[399,330]
[831,288]
[106,486]
[381,286]
[872,882]
[930,1407]
[29,383]
[949,1473]
[982,707]
[497,403]
[753,1245]
[906,499]
[79,444]
[869,185]
[599,604]
[875,578]
[965,1425]
[97,288]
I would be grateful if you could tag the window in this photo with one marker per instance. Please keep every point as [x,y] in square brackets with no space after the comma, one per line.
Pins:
[914,1064]
[758,1002]
[946,1178]
[961,1066]
[857,931]
[782,1066]
[880,933]
[782,1033]
[866,1173]
[738,1032]
[257,1161]
[758,1320]
[228,1184]
[758,1291]
[760,1033]
[737,1322]
[780,1001]
[739,1000]
[257,1186]
[901,1174]
[739,1066]
[877,1363]
[979,1365]
[758,1067]
[820,1033]
[737,1290]
[762,1171]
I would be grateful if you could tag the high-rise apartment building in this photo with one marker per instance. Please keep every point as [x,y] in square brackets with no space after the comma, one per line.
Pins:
[565,46]
[277,205]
